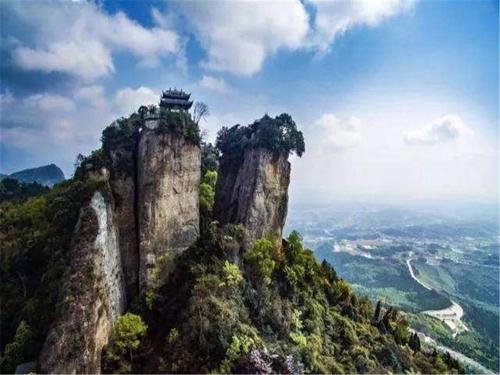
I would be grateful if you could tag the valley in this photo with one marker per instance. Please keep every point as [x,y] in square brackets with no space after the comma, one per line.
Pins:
[440,266]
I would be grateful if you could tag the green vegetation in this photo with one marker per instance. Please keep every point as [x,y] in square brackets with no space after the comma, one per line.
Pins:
[273,310]
[386,279]
[209,165]
[209,158]
[475,288]
[35,237]
[12,189]
[207,192]
[91,163]
[214,307]
[125,339]
[278,135]
[180,123]
[22,347]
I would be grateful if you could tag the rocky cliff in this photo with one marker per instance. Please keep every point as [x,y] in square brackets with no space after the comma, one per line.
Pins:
[253,190]
[94,294]
[168,207]
[121,161]
[147,205]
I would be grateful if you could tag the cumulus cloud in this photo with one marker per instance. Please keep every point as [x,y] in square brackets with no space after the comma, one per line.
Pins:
[443,129]
[238,36]
[340,134]
[214,84]
[80,38]
[49,103]
[88,60]
[93,95]
[333,18]
[46,128]
[128,100]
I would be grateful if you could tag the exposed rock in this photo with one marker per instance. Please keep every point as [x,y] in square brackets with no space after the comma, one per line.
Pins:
[94,295]
[121,161]
[168,202]
[253,190]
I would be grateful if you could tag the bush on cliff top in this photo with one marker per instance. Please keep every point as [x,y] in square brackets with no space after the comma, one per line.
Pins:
[180,123]
[278,135]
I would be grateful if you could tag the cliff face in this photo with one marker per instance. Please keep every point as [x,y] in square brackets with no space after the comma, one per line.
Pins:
[168,204]
[94,294]
[253,190]
[121,160]
[148,207]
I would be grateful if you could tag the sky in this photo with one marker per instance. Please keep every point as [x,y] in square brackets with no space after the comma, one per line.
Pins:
[396,99]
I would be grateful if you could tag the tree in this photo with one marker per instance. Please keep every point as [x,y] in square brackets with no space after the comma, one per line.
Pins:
[200,112]
[142,111]
[124,342]
[21,349]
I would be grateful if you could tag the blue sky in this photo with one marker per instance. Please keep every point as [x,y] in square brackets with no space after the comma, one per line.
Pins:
[396,99]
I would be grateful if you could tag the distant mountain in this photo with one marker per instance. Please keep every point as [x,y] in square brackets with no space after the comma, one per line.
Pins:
[45,175]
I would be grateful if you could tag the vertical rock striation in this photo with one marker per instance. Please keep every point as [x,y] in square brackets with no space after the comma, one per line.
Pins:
[168,181]
[252,190]
[121,161]
[94,294]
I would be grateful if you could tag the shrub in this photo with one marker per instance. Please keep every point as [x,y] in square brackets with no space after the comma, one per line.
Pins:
[278,135]
[125,339]
[180,123]
[20,350]
[260,261]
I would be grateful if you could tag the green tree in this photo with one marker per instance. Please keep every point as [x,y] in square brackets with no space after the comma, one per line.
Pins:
[125,339]
[260,261]
[20,350]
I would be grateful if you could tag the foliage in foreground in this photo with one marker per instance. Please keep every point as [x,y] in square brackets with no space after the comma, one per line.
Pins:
[271,310]
[123,343]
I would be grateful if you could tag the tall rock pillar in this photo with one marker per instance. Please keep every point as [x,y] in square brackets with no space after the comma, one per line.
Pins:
[252,189]
[168,181]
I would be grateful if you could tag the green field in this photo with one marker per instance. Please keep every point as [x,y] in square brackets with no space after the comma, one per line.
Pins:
[386,279]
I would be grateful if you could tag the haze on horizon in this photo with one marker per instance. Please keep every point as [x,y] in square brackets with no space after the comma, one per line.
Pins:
[397,99]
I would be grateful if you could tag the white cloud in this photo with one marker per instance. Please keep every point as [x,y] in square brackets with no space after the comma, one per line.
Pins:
[339,134]
[6,98]
[88,60]
[128,100]
[48,128]
[49,103]
[214,84]
[80,38]
[443,129]
[238,36]
[93,95]
[333,18]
